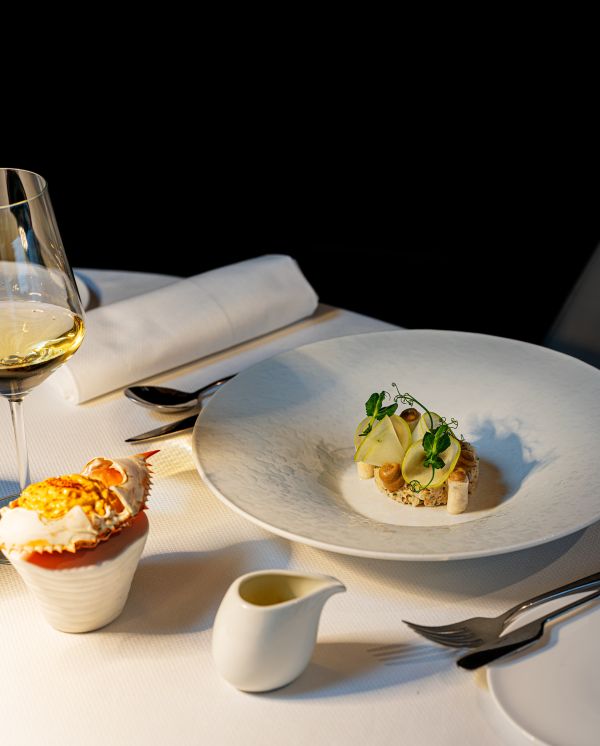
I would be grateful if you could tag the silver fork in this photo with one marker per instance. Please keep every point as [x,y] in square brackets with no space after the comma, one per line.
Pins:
[479,630]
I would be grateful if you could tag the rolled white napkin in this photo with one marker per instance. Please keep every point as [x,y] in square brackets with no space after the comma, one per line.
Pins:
[188,320]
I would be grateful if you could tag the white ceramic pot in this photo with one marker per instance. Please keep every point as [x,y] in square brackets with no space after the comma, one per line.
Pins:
[85,590]
[266,627]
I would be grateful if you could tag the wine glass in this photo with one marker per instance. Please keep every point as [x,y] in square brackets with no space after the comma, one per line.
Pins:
[41,317]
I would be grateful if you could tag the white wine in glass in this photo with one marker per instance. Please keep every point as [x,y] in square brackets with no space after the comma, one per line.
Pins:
[41,317]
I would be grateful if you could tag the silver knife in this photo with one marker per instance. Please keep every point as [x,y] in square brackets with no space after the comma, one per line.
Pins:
[173,427]
[525,635]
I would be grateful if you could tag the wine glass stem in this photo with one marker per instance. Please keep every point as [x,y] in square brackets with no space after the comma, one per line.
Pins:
[16,411]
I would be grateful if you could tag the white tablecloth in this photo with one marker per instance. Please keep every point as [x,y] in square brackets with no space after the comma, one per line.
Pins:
[149,678]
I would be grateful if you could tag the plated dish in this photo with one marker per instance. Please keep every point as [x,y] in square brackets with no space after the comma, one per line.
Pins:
[275,444]
[414,457]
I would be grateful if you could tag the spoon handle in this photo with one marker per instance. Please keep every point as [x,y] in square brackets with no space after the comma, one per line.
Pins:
[212,387]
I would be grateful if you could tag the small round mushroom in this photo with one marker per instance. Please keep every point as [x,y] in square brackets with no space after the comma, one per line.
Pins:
[467,452]
[411,416]
[391,477]
[468,461]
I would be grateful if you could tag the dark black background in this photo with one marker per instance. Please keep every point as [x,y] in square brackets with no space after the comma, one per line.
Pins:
[439,236]
[426,178]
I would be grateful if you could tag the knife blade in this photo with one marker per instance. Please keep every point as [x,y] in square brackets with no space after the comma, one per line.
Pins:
[173,427]
[521,637]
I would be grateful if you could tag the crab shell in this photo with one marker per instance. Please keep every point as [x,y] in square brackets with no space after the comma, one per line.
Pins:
[128,481]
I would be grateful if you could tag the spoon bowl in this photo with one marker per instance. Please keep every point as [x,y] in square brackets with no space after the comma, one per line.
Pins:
[169,399]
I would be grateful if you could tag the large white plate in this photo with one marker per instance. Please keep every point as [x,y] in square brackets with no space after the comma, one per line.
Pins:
[550,693]
[275,444]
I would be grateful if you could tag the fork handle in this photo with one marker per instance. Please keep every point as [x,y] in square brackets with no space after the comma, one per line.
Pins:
[517,639]
[583,584]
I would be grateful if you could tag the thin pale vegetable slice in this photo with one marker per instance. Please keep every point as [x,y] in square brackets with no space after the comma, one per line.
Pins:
[403,431]
[358,439]
[424,424]
[382,445]
[367,440]
[401,427]
[414,470]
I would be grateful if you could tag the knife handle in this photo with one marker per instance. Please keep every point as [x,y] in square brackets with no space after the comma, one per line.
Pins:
[479,658]
[173,427]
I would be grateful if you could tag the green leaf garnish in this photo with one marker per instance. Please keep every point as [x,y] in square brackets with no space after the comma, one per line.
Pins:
[435,440]
[373,403]
[376,411]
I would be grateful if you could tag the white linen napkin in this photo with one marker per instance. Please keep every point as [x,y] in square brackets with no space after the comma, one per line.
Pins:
[188,320]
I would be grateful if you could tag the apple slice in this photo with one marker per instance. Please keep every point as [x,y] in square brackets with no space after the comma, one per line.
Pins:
[401,427]
[358,438]
[364,442]
[382,445]
[403,431]
[424,424]
[412,465]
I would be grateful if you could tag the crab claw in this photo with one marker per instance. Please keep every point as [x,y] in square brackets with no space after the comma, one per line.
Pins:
[147,454]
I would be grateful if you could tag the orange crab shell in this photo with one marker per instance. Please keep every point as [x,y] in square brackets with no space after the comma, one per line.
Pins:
[78,511]
[129,478]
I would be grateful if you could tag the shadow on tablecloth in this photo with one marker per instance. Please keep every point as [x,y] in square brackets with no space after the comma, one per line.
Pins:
[180,592]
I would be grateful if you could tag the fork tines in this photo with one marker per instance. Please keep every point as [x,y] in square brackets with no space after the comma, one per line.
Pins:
[451,635]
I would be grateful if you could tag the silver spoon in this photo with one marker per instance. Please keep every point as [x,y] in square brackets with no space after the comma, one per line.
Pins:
[171,400]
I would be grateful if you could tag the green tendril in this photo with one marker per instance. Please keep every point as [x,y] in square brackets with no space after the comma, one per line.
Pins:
[411,401]
[435,441]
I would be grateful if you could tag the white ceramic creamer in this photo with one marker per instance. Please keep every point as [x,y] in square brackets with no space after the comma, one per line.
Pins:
[266,627]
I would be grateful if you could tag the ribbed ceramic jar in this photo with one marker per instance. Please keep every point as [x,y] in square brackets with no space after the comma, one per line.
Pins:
[86,590]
